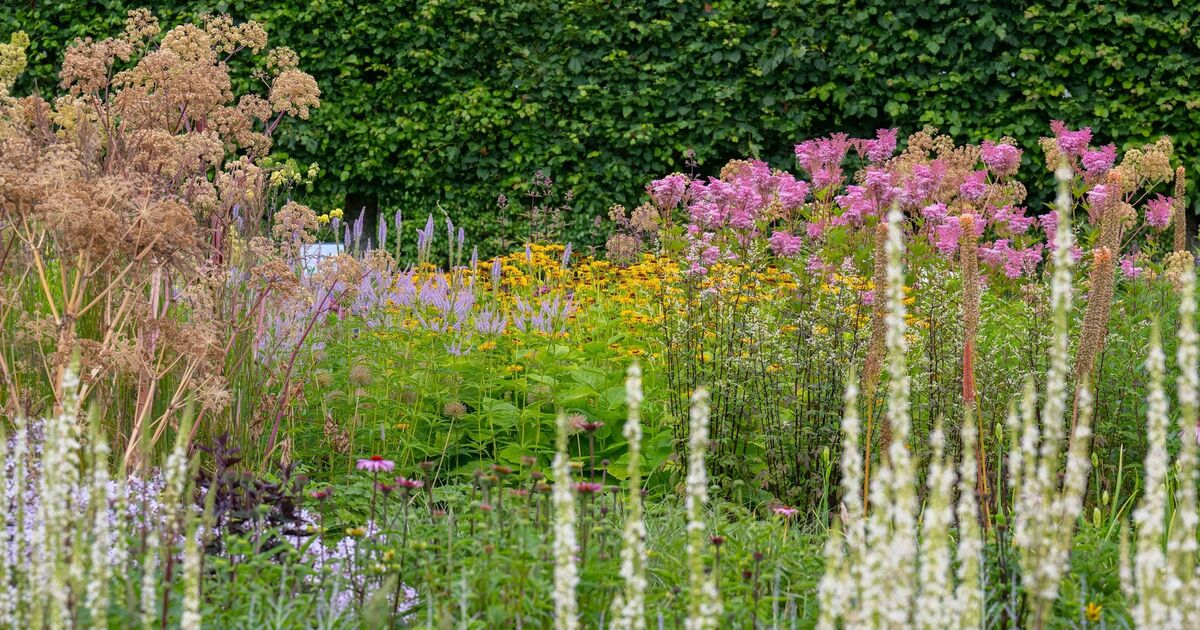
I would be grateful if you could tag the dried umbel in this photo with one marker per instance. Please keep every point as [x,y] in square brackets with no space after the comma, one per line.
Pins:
[128,199]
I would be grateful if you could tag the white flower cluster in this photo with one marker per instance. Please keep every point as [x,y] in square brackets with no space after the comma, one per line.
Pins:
[629,607]
[566,546]
[1162,585]
[871,578]
[1045,514]
[66,523]
[704,602]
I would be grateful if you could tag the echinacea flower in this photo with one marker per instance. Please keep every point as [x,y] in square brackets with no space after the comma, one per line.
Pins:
[785,511]
[409,484]
[376,464]
[1002,159]
[588,487]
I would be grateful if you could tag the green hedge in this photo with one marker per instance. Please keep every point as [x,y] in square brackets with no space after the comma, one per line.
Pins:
[453,102]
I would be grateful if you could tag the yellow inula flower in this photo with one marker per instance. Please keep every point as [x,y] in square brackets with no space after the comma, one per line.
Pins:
[1093,611]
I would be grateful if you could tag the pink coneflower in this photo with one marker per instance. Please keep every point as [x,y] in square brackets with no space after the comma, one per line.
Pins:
[486,508]
[321,495]
[409,484]
[581,423]
[385,487]
[588,487]
[785,511]
[376,464]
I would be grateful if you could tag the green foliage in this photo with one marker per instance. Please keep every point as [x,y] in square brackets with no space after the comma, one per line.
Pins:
[455,102]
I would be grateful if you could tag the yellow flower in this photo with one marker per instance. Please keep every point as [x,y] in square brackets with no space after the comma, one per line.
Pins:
[1093,611]
[514,368]
[403,426]
[487,345]
[336,213]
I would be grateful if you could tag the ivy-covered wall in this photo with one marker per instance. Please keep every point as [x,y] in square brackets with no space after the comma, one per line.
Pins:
[449,103]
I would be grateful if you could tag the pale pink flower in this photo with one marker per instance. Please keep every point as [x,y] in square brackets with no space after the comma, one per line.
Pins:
[376,464]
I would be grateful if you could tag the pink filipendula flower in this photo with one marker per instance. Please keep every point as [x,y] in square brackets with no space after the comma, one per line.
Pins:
[1158,212]
[785,245]
[974,186]
[1013,218]
[879,149]
[822,158]
[857,204]
[922,183]
[668,191]
[868,297]
[376,464]
[1072,143]
[1002,159]
[1098,161]
[815,264]
[815,229]
[1129,269]
[792,192]
[741,219]
[706,214]
[1014,262]
[1049,223]
[1101,195]
[946,235]
[934,212]
[994,254]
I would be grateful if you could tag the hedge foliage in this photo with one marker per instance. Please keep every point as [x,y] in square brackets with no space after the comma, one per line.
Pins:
[451,102]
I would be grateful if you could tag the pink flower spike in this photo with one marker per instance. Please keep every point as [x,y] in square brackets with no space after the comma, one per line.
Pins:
[376,464]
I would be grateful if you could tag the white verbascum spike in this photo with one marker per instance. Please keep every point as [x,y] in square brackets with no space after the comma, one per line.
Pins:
[1045,514]
[968,594]
[629,607]
[704,602]
[1181,546]
[935,595]
[902,549]
[1150,570]
[566,546]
